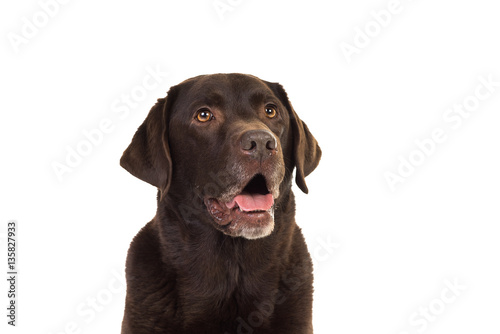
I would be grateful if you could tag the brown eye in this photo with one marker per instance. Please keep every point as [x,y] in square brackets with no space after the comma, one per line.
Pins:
[271,111]
[204,115]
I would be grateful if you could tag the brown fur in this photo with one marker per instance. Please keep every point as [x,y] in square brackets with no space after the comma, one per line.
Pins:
[188,273]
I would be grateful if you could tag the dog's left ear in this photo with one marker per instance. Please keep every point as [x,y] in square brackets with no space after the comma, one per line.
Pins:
[148,155]
[306,149]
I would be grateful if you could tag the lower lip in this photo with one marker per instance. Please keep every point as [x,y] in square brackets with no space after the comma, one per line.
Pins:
[254,217]
[224,218]
[253,213]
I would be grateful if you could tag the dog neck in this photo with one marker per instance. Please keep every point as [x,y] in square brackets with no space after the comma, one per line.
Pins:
[193,248]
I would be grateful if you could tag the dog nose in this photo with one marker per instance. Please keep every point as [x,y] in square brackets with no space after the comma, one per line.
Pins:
[259,143]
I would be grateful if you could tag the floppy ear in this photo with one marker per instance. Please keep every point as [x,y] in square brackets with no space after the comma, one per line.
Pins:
[148,155]
[306,150]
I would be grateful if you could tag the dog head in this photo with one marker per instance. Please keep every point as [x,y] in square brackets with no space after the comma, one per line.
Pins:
[222,147]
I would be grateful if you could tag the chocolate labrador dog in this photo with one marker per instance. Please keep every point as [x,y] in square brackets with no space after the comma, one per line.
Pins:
[223,253]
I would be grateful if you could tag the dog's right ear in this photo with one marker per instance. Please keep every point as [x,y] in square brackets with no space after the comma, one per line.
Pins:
[148,155]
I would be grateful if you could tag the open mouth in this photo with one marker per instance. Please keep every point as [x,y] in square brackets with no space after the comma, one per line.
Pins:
[250,213]
[255,197]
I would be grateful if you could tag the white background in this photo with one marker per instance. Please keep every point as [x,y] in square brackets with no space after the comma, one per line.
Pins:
[382,257]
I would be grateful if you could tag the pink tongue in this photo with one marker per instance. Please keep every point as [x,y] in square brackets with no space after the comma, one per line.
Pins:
[252,202]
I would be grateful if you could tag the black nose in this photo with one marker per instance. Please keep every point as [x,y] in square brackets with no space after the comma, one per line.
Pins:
[258,143]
